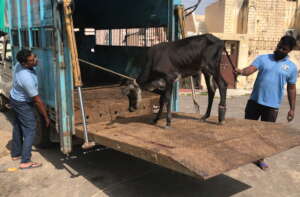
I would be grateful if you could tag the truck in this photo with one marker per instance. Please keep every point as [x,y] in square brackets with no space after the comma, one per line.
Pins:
[83,48]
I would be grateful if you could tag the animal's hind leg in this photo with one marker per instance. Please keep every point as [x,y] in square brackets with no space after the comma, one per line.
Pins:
[165,98]
[222,105]
[211,94]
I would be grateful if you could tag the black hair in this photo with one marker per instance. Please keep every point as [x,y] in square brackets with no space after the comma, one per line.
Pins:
[289,41]
[23,54]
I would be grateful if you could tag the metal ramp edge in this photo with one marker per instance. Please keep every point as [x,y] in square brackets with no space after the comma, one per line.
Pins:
[194,148]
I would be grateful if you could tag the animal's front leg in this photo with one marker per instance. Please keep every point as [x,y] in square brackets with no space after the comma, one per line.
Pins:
[169,113]
[168,96]
[161,107]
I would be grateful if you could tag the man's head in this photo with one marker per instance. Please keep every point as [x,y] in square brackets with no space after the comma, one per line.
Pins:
[285,45]
[27,58]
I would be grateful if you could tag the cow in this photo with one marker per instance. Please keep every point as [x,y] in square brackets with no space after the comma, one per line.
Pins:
[168,62]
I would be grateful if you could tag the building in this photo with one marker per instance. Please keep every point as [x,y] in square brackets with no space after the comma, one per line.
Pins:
[255,25]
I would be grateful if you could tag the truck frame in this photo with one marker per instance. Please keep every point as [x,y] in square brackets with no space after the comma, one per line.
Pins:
[115,34]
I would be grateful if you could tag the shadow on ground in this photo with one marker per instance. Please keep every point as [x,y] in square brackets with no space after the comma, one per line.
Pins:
[121,175]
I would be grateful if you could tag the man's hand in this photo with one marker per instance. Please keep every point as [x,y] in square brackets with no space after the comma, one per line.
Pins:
[238,71]
[291,91]
[246,71]
[290,115]
[42,109]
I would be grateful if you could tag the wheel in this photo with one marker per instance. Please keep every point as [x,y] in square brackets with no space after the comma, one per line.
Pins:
[42,136]
[3,102]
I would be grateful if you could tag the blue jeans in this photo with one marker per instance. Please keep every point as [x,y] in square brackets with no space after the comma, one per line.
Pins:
[24,129]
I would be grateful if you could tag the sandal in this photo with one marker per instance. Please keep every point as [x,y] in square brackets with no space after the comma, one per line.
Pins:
[261,164]
[16,158]
[32,165]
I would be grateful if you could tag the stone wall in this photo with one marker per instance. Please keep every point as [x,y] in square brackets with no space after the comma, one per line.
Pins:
[256,24]
[268,20]
[214,17]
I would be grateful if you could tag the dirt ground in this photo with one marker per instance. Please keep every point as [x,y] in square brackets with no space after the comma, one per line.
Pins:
[104,172]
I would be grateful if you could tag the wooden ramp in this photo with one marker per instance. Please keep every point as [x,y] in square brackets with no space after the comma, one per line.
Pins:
[199,149]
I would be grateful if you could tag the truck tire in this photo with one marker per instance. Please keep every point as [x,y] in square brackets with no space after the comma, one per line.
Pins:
[3,102]
[42,136]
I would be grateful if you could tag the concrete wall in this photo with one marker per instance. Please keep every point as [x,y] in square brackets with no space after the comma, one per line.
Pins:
[256,24]
[214,17]
[268,20]
[224,16]
[232,12]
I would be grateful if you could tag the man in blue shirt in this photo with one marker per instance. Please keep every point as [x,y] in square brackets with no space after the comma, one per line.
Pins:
[274,72]
[23,95]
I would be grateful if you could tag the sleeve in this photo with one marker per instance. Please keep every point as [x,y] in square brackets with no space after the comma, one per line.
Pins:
[257,62]
[292,79]
[28,84]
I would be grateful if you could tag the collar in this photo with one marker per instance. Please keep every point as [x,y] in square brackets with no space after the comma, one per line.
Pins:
[24,67]
[282,60]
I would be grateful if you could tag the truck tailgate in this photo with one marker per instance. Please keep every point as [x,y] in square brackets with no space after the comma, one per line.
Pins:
[199,149]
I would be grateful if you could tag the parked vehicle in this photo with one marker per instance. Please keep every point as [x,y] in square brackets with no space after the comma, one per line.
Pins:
[72,38]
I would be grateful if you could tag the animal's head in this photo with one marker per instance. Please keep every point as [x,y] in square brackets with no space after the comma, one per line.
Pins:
[133,91]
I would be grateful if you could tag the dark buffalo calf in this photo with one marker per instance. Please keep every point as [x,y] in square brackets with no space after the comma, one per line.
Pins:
[169,62]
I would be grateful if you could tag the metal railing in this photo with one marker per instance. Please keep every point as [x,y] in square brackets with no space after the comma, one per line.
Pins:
[142,37]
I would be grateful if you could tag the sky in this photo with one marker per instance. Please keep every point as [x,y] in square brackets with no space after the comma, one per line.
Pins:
[202,6]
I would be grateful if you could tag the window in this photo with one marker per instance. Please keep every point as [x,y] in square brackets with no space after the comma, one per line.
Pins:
[142,37]
[24,37]
[36,38]
[7,52]
[15,37]
[49,32]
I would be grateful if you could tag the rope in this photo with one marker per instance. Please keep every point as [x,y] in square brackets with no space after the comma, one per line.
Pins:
[193,8]
[106,69]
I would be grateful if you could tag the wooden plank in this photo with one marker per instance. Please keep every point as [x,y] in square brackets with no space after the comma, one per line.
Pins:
[199,149]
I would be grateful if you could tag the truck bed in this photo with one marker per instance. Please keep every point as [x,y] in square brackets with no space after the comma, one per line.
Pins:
[198,149]
[106,103]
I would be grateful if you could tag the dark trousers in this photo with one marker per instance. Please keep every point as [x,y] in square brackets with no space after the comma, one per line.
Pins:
[254,111]
[24,129]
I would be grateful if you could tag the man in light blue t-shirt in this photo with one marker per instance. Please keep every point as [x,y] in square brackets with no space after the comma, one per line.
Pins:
[23,97]
[274,72]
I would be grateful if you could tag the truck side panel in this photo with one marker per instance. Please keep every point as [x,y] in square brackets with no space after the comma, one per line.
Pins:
[36,25]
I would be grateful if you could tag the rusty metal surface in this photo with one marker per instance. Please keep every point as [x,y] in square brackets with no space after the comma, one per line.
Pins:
[202,150]
[107,103]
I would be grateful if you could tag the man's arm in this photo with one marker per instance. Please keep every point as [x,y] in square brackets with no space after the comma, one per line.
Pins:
[246,71]
[41,108]
[291,91]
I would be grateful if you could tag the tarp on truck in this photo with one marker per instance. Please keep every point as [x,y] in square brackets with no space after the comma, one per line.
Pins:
[3,23]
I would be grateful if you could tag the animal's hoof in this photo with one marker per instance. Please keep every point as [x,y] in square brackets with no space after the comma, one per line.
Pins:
[222,122]
[155,121]
[202,119]
[167,127]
